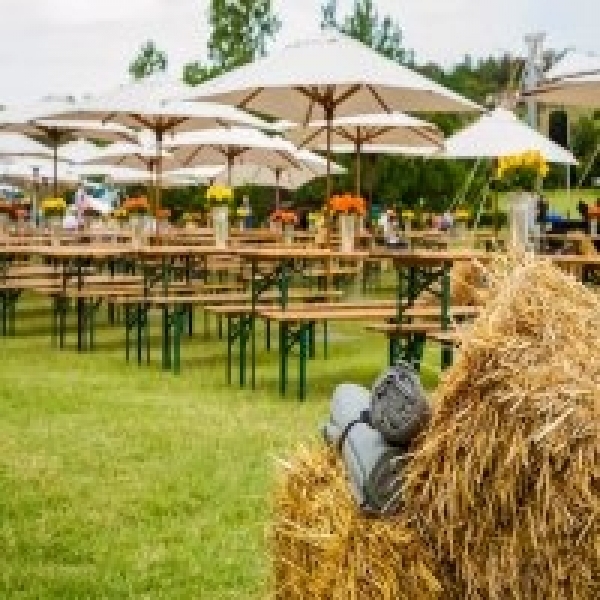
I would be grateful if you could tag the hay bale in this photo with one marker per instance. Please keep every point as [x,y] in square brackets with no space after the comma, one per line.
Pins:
[324,548]
[506,481]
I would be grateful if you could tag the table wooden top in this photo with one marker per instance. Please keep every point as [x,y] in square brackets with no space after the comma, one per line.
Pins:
[275,253]
[428,257]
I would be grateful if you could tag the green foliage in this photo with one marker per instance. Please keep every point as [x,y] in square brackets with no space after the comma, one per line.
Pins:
[241,31]
[195,73]
[149,60]
[364,23]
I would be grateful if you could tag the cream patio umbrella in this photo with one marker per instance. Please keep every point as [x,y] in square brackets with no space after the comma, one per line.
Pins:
[78,152]
[146,104]
[378,129]
[500,133]
[310,166]
[327,77]
[33,122]
[230,146]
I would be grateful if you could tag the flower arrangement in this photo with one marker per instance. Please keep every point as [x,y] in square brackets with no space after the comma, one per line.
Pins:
[137,206]
[219,195]
[462,214]
[162,214]
[192,217]
[54,207]
[347,205]
[242,212]
[20,214]
[408,215]
[522,171]
[120,214]
[286,217]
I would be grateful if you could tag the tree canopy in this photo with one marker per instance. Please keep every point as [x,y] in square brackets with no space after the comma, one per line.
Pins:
[149,60]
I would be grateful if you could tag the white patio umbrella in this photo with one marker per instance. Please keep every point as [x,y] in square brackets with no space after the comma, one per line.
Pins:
[78,152]
[16,145]
[381,128]
[230,146]
[145,104]
[197,175]
[310,166]
[33,122]
[27,170]
[572,65]
[133,156]
[500,133]
[327,77]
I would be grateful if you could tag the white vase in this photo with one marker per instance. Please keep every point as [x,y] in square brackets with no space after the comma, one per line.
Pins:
[137,223]
[288,234]
[594,227]
[220,218]
[522,220]
[347,232]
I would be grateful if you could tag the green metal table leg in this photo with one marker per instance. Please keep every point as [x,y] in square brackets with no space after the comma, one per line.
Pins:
[255,293]
[62,322]
[139,329]
[4,313]
[311,340]
[304,343]
[447,350]
[166,335]
[178,326]
[127,331]
[230,341]
[190,323]
[243,335]
[220,327]
[206,323]
[325,340]
[268,334]
[283,356]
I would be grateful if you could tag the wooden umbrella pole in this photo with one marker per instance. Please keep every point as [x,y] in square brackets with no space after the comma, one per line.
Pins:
[230,159]
[55,167]
[329,118]
[358,166]
[277,190]
[159,146]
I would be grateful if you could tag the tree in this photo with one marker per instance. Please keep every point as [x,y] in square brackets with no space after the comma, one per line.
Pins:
[364,24]
[149,60]
[241,31]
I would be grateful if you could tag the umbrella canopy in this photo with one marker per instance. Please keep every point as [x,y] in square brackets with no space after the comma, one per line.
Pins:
[133,156]
[78,152]
[230,146]
[501,133]
[310,166]
[25,170]
[573,64]
[382,128]
[33,122]
[396,150]
[579,90]
[198,175]
[326,77]
[16,145]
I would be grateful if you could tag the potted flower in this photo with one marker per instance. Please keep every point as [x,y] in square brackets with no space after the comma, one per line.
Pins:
[287,219]
[54,210]
[192,220]
[6,211]
[162,216]
[137,209]
[243,212]
[521,174]
[461,219]
[219,197]
[120,215]
[347,209]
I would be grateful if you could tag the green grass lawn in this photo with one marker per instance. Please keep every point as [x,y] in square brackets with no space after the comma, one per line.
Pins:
[125,482]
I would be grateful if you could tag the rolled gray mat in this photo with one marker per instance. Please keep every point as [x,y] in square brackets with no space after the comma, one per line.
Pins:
[374,467]
[399,407]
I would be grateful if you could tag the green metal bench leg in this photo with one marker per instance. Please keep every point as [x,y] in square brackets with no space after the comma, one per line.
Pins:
[206,324]
[446,358]
[62,321]
[4,313]
[127,332]
[325,340]
[220,327]
[311,340]
[243,334]
[147,334]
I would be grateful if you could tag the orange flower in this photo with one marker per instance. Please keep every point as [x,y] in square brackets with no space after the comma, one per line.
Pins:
[163,214]
[137,205]
[287,217]
[347,204]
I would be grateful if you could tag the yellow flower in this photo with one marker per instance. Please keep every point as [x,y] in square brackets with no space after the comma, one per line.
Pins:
[408,215]
[219,194]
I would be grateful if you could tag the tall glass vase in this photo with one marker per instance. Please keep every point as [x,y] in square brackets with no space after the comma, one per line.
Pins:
[220,218]
[522,220]
[347,232]
[138,223]
[288,234]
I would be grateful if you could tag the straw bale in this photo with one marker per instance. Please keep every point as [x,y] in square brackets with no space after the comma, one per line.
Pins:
[505,482]
[324,548]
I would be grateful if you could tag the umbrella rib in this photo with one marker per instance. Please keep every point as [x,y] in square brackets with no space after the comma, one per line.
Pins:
[378,98]
[424,134]
[346,95]
[312,136]
[244,103]
[346,135]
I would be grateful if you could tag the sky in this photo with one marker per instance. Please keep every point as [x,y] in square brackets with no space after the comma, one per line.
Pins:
[57,47]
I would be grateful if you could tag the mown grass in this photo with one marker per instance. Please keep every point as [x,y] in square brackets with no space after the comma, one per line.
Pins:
[125,482]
